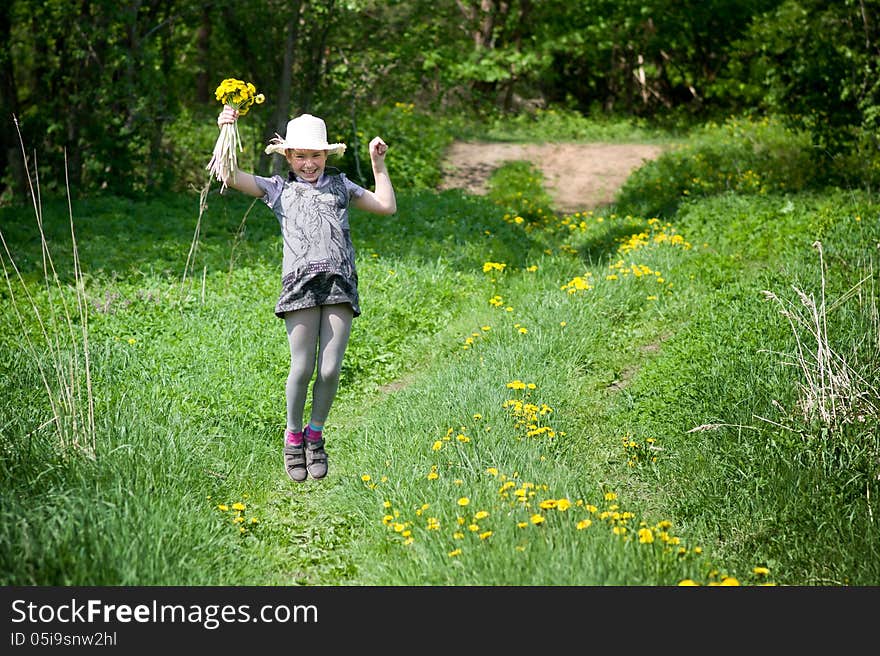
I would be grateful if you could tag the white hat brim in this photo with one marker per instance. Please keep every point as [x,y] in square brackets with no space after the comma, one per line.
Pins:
[280,146]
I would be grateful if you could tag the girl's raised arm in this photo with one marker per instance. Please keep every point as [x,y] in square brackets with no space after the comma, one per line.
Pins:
[382,200]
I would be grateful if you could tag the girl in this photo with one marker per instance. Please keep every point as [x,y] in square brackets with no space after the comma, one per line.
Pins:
[319,293]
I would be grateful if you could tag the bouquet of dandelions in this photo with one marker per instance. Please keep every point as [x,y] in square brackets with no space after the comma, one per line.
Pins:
[240,95]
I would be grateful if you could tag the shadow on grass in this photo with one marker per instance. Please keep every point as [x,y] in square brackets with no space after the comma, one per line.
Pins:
[122,237]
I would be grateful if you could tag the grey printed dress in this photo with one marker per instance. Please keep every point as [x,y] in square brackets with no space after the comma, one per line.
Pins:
[318,263]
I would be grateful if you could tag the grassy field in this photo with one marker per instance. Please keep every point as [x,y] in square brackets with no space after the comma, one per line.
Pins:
[681,388]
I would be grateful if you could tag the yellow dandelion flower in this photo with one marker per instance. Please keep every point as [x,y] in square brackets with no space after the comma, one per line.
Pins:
[584,523]
[454,553]
[537,519]
[481,514]
[463,501]
[223,507]
[610,496]
[522,524]
[761,571]
[238,505]
[688,582]
[729,581]
[646,536]
[485,534]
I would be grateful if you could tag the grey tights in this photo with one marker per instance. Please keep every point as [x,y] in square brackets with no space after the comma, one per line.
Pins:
[317,335]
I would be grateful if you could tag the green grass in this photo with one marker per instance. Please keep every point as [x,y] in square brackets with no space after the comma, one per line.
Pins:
[618,404]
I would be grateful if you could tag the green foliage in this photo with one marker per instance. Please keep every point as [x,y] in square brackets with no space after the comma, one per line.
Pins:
[416,143]
[557,124]
[816,64]
[741,155]
[518,188]
[130,112]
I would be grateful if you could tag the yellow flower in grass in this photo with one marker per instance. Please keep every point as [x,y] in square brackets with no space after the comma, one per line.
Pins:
[481,514]
[463,501]
[537,519]
[761,571]
[493,266]
[485,534]
[238,505]
[688,582]
[454,553]
[584,523]
[223,507]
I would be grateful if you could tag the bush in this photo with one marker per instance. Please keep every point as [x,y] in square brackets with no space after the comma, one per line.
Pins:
[742,155]
[416,142]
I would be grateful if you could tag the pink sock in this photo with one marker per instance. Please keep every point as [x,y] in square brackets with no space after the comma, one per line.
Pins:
[296,439]
[311,434]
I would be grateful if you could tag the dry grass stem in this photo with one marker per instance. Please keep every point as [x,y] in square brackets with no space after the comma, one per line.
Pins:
[831,391]
[71,383]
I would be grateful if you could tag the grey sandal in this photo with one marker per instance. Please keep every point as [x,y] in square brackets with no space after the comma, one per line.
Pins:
[295,462]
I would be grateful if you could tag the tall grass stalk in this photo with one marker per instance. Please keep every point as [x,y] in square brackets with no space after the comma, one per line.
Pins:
[70,399]
[832,391]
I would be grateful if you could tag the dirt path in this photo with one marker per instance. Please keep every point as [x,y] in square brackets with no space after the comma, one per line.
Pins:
[578,176]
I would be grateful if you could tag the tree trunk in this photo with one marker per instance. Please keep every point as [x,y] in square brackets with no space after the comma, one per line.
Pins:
[278,119]
[203,48]
[11,165]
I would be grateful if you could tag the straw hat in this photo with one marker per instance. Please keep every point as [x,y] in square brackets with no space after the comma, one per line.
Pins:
[305,132]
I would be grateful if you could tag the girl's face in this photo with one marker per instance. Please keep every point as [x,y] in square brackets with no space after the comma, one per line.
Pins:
[307,164]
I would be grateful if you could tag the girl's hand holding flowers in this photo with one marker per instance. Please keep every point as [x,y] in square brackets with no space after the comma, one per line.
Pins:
[228,115]
[237,97]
